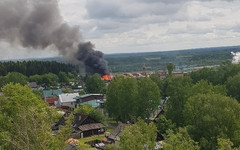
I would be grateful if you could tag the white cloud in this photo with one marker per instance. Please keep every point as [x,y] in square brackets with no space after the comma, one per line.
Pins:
[153,25]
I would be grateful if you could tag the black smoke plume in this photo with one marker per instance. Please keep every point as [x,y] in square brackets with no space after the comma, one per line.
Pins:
[38,24]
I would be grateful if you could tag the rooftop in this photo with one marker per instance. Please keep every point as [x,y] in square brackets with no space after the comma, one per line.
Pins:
[68,97]
[87,95]
[50,93]
[94,103]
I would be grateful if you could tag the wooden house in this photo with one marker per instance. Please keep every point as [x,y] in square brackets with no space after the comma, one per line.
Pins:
[83,126]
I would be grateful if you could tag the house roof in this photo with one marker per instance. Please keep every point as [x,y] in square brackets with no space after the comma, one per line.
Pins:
[69,97]
[91,126]
[87,95]
[94,103]
[32,84]
[50,93]
[115,134]
[79,119]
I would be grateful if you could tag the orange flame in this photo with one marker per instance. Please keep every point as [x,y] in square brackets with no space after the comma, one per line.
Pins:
[107,77]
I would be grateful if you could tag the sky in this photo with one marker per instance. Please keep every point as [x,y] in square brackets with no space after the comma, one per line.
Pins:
[124,26]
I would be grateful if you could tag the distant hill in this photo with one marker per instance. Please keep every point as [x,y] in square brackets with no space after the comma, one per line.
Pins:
[128,62]
[183,59]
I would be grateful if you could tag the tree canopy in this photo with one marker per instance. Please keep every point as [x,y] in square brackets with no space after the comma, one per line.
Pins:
[140,136]
[211,116]
[129,98]
[233,86]
[25,120]
[94,84]
[170,68]
[92,112]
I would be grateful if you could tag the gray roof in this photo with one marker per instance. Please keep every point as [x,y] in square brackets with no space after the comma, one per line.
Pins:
[68,97]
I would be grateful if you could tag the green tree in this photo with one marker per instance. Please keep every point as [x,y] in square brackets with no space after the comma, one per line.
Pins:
[209,74]
[204,87]
[179,141]
[62,77]
[140,136]
[163,124]
[233,86]
[2,81]
[211,116]
[224,144]
[16,77]
[50,79]
[121,97]
[155,78]
[94,84]
[25,120]
[178,91]
[64,132]
[92,112]
[170,68]
[36,78]
[148,98]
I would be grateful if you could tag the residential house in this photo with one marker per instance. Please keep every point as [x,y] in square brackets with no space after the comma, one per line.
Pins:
[83,126]
[67,100]
[51,96]
[95,100]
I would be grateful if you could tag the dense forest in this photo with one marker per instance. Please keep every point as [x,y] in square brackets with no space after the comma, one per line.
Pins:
[29,68]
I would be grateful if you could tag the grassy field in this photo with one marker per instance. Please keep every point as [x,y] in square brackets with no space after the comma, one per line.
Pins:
[87,139]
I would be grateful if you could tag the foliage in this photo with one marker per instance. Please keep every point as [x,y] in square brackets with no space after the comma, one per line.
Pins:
[16,77]
[179,141]
[170,68]
[212,116]
[121,97]
[84,146]
[111,147]
[208,74]
[148,98]
[92,112]
[224,144]
[94,84]
[82,92]
[163,124]
[178,90]
[29,68]
[64,132]
[155,78]
[62,77]
[204,87]
[233,86]
[217,75]
[25,120]
[140,136]
[50,79]
[129,98]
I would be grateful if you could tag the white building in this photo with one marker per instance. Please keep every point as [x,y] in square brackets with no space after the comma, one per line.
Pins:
[67,100]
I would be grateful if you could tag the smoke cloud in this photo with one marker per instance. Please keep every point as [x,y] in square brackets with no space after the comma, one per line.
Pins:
[38,25]
[236,57]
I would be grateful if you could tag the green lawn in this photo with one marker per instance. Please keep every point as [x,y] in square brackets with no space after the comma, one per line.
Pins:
[83,140]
